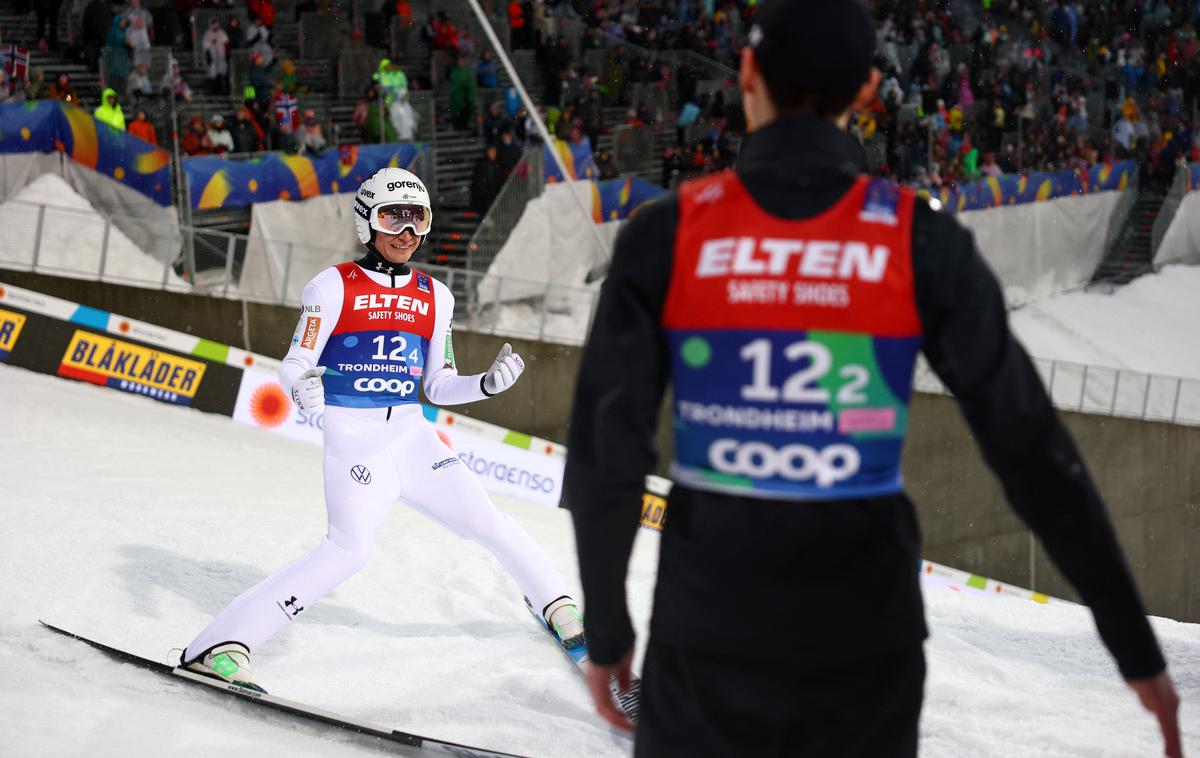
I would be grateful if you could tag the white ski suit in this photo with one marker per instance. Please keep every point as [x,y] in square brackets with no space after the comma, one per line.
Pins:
[378,336]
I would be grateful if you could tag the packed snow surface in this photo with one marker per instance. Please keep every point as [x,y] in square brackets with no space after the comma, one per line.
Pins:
[133,522]
[1148,325]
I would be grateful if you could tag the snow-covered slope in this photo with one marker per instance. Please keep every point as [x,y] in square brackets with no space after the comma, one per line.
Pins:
[1149,325]
[133,522]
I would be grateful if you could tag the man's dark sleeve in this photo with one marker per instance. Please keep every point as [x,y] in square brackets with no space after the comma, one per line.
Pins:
[611,440]
[969,346]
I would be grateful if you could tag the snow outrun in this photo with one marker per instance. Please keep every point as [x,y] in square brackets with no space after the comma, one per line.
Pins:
[133,522]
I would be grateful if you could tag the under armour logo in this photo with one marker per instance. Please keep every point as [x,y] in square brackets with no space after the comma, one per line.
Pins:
[361,474]
[289,607]
[379,267]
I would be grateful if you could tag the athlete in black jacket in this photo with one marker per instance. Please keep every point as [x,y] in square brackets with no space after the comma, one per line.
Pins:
[761,639]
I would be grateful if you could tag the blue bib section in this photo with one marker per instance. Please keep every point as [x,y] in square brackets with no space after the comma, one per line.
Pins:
[373,369]
[796,415]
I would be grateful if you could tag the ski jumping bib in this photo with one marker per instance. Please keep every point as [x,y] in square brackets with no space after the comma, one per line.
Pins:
[792,342]
[375,356]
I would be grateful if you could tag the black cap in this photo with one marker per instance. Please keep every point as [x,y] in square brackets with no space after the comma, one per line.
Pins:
[824,46]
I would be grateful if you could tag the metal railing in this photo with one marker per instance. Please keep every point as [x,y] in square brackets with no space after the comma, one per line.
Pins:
[633,148]
[83,244]
[202,20]
[355,68]
[1104,391]
[524,184]
[706,68]
[116,65]
[464,18]
[655,98]
[318,36]
[575,31]
[403,38]
[1166,213]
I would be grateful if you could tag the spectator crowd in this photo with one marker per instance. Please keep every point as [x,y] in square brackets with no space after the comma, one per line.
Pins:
[968,89]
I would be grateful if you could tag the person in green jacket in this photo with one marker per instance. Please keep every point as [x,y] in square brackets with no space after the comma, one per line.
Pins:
[110,110]
[392,80]
[377,127]
[462,94]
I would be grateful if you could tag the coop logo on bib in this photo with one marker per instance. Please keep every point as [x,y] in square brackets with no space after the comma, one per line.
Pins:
[795,462]
[385,385]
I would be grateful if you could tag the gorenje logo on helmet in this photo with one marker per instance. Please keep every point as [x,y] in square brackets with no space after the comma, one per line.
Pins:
[393,186]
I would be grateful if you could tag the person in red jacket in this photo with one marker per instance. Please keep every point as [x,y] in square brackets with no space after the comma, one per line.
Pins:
[264,10]
[141,127]
[195,139]
[517,25]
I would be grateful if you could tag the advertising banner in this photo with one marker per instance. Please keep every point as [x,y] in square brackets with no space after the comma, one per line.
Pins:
[506,462]
[11,324]
[262,403]
[505,469]
[54,336]
[131,368]
[47,126]
[1014,189]
[619,197]
[220,183]
[576,156]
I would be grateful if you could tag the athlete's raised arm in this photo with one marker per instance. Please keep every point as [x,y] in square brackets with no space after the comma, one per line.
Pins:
[443,384]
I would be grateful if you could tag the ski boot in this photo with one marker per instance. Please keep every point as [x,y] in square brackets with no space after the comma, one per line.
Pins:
[229,662]
[564,619]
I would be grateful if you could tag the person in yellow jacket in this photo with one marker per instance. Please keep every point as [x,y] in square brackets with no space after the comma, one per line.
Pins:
[110,110]
[392,80]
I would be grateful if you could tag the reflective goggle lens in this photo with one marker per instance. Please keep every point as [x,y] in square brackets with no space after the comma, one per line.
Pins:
[394,219]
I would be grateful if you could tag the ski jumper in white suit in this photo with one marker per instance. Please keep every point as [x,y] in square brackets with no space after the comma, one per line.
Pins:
[378,336]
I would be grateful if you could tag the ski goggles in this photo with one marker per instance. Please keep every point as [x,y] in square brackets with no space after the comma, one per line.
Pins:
[394,218]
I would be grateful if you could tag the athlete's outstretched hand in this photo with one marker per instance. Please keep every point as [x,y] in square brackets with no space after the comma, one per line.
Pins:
[308,392]
[1157,694]
[504,371]
[598,678]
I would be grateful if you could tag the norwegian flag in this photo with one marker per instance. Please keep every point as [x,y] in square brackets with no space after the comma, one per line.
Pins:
[287,112]
[15,60]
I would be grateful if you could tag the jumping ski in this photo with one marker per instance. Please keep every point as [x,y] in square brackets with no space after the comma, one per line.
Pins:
[578,653]
[395,737]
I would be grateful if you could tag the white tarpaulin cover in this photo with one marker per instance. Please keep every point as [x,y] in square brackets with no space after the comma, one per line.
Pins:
[538,281]
[1181,243]
[74,240]
[1036,249]
[291,242]
[152,228]
[1040,249]
[551,244]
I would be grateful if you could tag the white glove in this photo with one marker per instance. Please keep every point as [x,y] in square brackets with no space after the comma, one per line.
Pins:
[307,392]
[503,373]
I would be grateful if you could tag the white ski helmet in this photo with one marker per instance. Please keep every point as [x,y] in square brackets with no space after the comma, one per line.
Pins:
[403,199]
